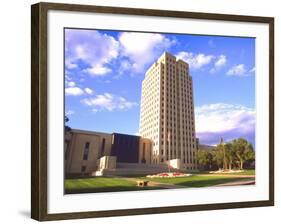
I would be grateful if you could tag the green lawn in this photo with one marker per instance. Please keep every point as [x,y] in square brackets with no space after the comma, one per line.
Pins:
[101,184]
[198,180]
[111,184]
[247,172]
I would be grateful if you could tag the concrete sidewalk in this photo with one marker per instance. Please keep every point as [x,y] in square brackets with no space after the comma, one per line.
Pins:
[237,183]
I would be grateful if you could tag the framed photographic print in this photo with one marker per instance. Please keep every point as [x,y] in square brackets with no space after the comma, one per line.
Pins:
[141,111]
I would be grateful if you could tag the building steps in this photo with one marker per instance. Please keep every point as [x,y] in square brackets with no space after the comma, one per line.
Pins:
[127,169]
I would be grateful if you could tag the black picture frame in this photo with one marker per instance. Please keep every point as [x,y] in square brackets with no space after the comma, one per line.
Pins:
[39,106]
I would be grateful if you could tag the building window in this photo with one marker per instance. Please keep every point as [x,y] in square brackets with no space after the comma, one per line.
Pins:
[102,147]
[83,169]
[143,153]
[66,152]
[86,151]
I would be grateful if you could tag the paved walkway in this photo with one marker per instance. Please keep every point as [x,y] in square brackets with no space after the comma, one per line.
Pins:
[167,186]
[235,183]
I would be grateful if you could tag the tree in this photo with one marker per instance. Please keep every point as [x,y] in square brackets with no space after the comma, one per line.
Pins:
[221,147]
[202,157]
[243,150]
[249,154]
[205,158]
[66,127]
[218,155]
[229,154]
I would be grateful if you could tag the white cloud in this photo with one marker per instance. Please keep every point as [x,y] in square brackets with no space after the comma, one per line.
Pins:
[135,51]
[91,47]
[125,65]
[225,120]
[253,70]
[73,91]
[109,102]
[89,91]
[220,116]
[97,70]
[195,61]
[69,64]
[141,49]
[139,43]
[70,84]
[237,70]
[69,112]
[221,61]
[95,110]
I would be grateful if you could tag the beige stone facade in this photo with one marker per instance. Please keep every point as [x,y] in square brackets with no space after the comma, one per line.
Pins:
[167,111]
[145,151]
[90,153]
[83,149]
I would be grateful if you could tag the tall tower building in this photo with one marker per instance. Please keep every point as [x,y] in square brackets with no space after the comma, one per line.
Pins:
[167,111]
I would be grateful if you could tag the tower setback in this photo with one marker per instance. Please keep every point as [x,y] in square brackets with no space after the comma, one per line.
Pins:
[167,112]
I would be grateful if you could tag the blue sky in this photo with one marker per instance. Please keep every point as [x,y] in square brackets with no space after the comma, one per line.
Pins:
[104,71]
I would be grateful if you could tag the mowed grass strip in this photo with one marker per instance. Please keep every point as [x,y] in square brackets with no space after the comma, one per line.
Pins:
[113,184]
[102,184]
[199,180]
[245,172]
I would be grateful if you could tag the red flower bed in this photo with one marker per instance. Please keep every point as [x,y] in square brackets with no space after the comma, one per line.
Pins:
[177,174]
[163,174]
[169,175]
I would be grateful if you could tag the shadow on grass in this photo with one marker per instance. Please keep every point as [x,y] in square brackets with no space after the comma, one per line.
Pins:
[109,189]
[210,182]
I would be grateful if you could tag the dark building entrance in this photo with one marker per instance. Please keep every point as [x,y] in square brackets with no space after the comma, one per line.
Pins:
[125,148]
